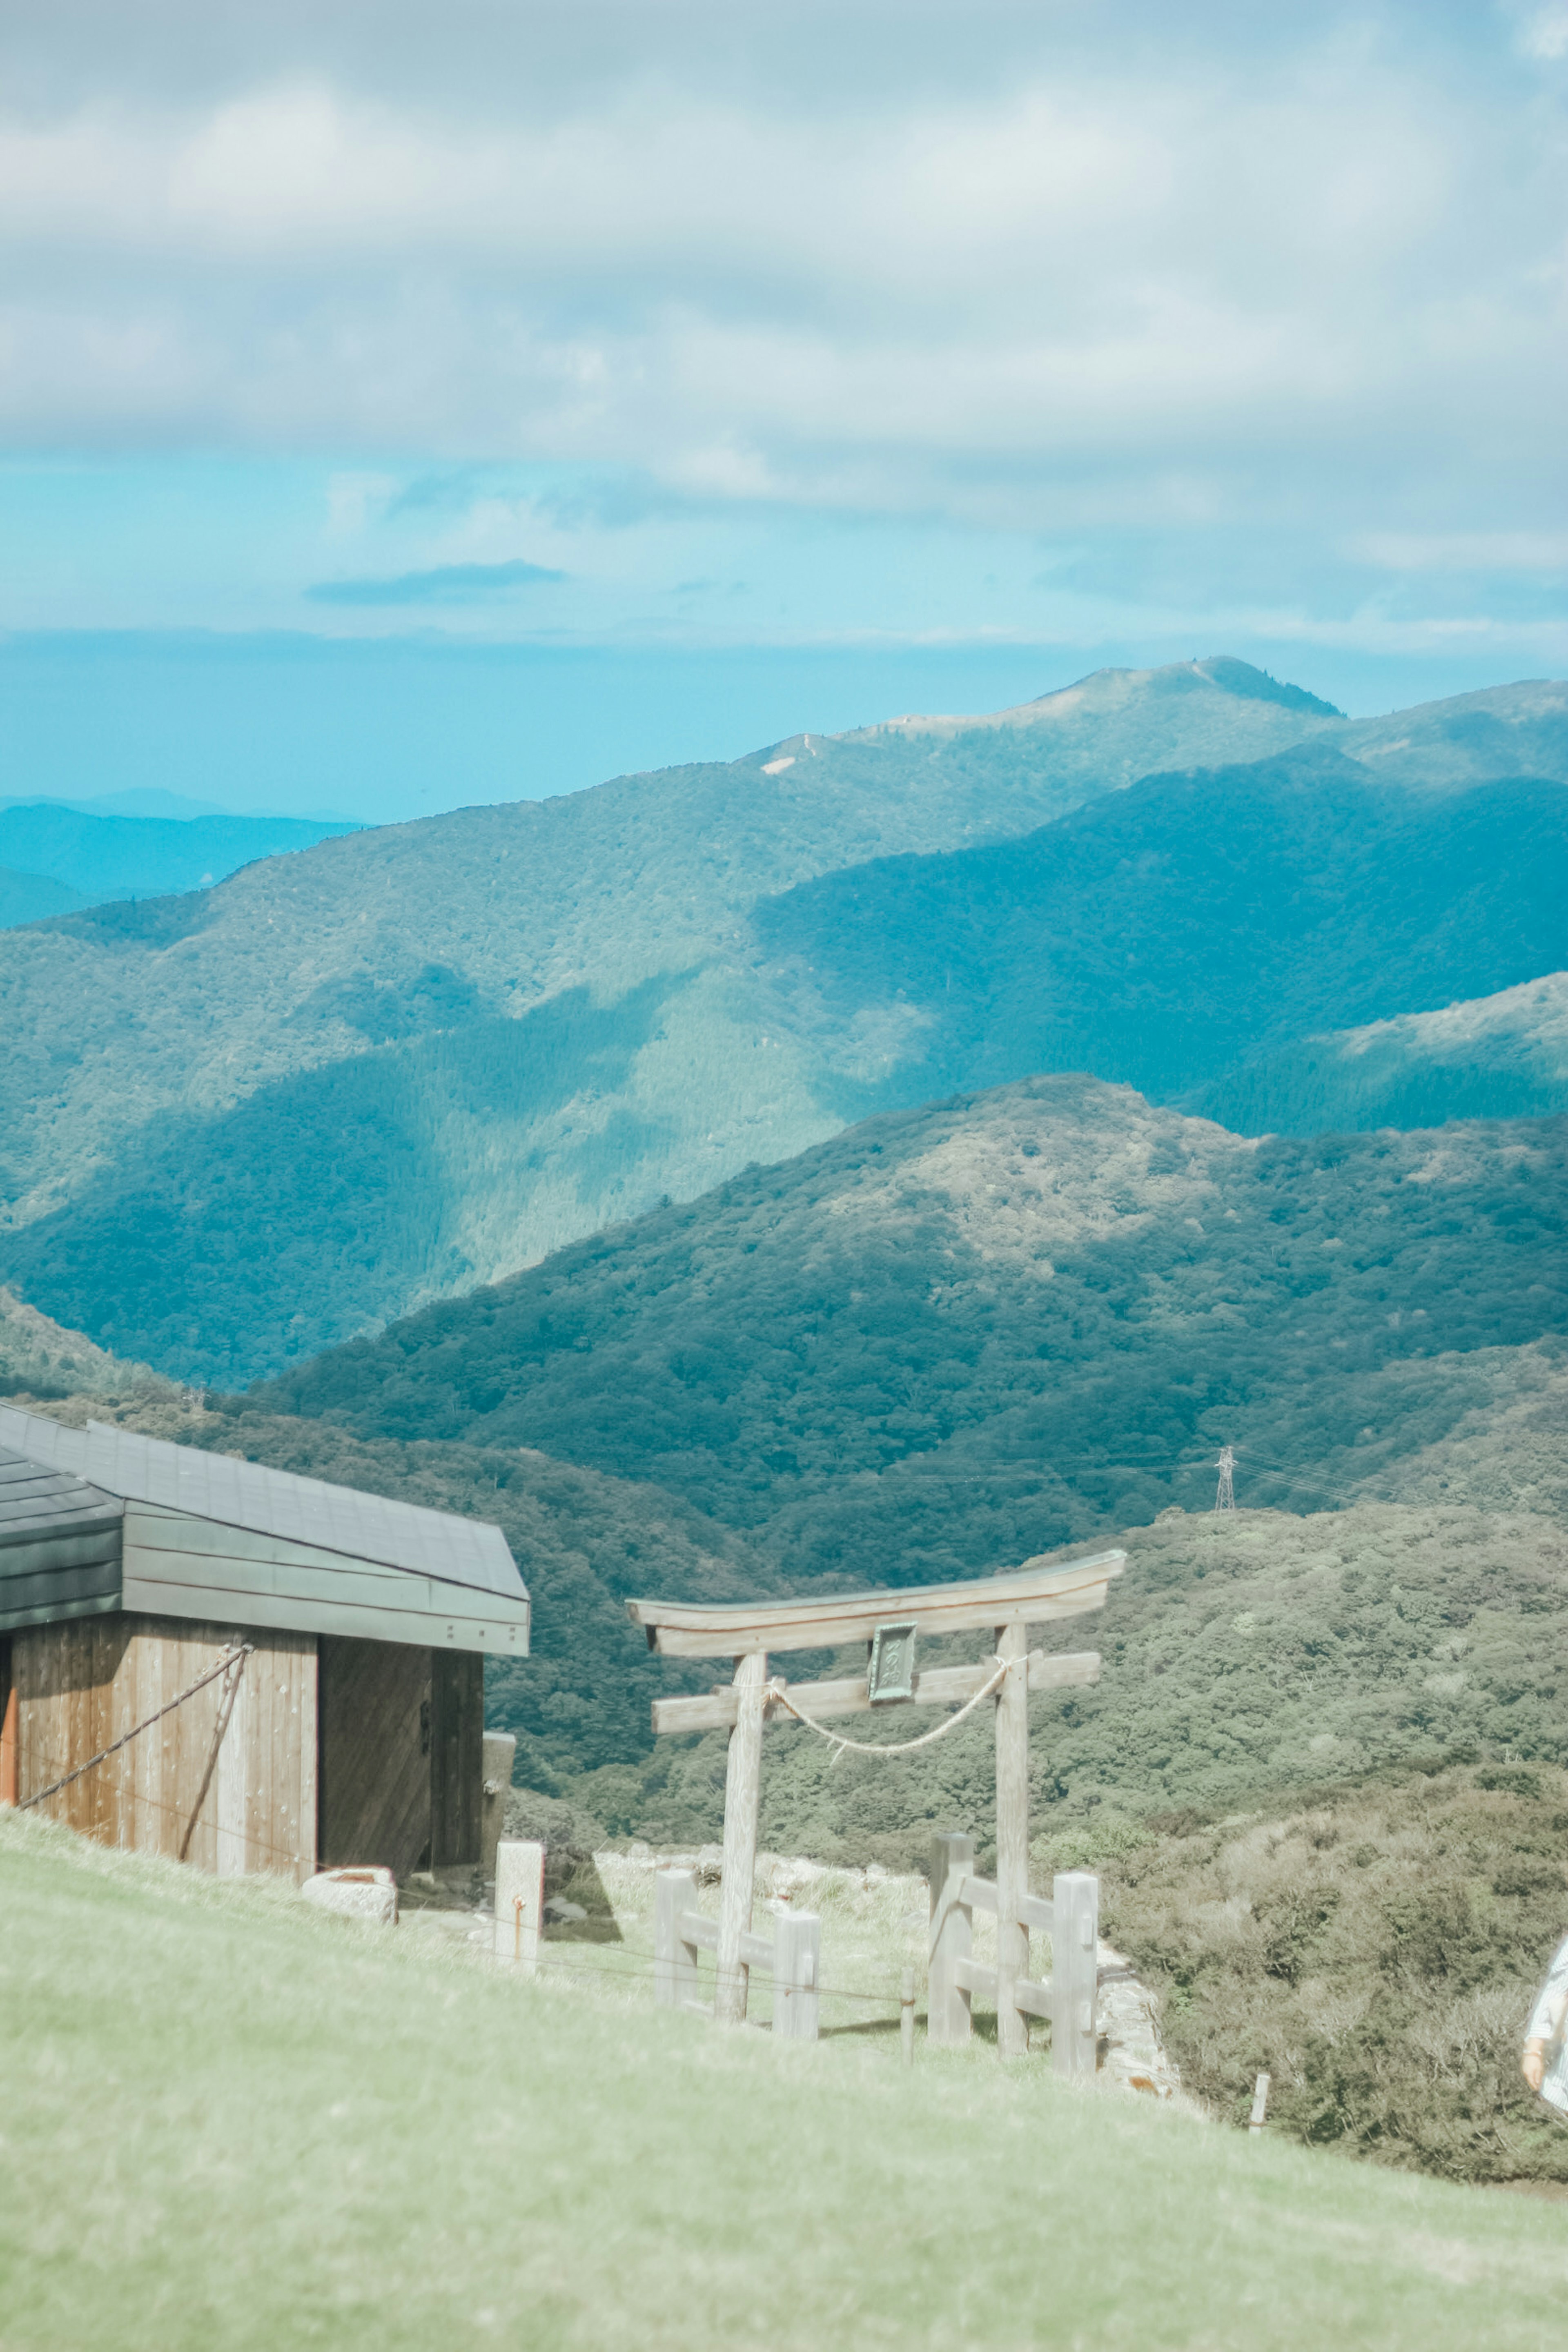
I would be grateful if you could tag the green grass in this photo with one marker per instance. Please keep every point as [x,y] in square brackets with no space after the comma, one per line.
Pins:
[229,2122]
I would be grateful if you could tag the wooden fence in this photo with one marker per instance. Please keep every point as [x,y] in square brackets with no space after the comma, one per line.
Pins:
[1067,1999]
[792,1954]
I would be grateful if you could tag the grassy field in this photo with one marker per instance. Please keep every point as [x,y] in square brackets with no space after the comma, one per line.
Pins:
[229,2122]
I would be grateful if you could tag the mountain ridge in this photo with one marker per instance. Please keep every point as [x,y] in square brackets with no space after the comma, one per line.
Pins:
[405,1061]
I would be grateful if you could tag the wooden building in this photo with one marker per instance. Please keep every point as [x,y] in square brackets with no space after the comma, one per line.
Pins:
[344,1720]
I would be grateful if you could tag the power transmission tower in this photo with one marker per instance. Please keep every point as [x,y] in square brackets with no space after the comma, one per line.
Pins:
[1226,1498]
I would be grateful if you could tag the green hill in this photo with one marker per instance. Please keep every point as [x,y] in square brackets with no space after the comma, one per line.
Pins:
[248,2125]
[29,898]
[298,1104]
[1172,935]
[961,1335]
[39,1358]
[1500,1056]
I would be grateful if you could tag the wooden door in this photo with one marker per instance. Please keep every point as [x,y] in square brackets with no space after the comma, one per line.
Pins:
[457,1757]
[374,1771]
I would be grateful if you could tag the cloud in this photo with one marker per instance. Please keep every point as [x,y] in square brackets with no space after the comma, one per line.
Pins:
[1543,35]
[1134,252]
[449,583]
[1526,551]
[1230,302]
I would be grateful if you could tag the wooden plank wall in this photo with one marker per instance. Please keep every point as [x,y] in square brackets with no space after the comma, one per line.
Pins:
[7,1727]
[376,1738]
[230,1790]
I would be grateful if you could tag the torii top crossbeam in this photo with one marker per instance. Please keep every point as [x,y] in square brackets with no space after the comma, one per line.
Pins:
[1032,1595]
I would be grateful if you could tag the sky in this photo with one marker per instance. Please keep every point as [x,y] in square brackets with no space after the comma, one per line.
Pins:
[405,406]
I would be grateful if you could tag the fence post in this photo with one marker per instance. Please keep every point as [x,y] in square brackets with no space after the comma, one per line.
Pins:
[674,1959]
[952,1938]
[520,1903]
[1075,1978]
[798,1966]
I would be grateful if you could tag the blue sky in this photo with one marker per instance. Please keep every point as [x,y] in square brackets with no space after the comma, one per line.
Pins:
[400,407]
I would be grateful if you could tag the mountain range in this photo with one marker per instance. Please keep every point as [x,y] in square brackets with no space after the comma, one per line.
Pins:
[54,858]
[241,1124]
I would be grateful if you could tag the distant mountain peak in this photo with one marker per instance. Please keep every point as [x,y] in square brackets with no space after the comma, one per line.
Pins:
[1102,690]
[1239,678]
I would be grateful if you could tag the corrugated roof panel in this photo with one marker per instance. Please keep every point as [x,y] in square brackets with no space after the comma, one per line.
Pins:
[37,1499]
[124,1463]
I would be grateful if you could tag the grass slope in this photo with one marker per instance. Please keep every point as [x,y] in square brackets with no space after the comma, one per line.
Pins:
[346,1082]
[243,2125]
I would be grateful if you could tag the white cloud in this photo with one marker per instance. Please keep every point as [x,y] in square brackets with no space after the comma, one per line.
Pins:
[1221,274]
[1466,550]
[1544,34]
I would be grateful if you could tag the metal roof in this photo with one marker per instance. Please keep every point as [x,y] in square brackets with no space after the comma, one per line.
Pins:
[60,1546]
[37,1501]
[120,1465]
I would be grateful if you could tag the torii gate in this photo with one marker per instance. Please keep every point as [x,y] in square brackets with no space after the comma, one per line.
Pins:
[889,1623]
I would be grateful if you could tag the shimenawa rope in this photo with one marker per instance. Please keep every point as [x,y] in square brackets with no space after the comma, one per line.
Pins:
[778,1689]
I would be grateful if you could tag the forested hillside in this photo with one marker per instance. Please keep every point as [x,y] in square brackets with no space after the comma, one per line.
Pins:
[1242,1656]
[1498,1056]
[239,1125]
[957,1336]
[1172,935]
[40,1360]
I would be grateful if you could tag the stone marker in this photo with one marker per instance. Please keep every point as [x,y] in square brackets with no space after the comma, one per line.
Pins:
[519,1901]
[370,1894]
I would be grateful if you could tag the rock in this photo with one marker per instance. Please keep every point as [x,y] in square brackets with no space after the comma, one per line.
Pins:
[370,1895]
[559,1912]
[1134,2057]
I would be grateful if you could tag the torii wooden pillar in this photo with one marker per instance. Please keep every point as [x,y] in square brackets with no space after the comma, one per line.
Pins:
[1035,1594]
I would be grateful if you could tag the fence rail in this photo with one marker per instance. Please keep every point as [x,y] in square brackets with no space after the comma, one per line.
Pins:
[792,1954]
[1067,1999]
